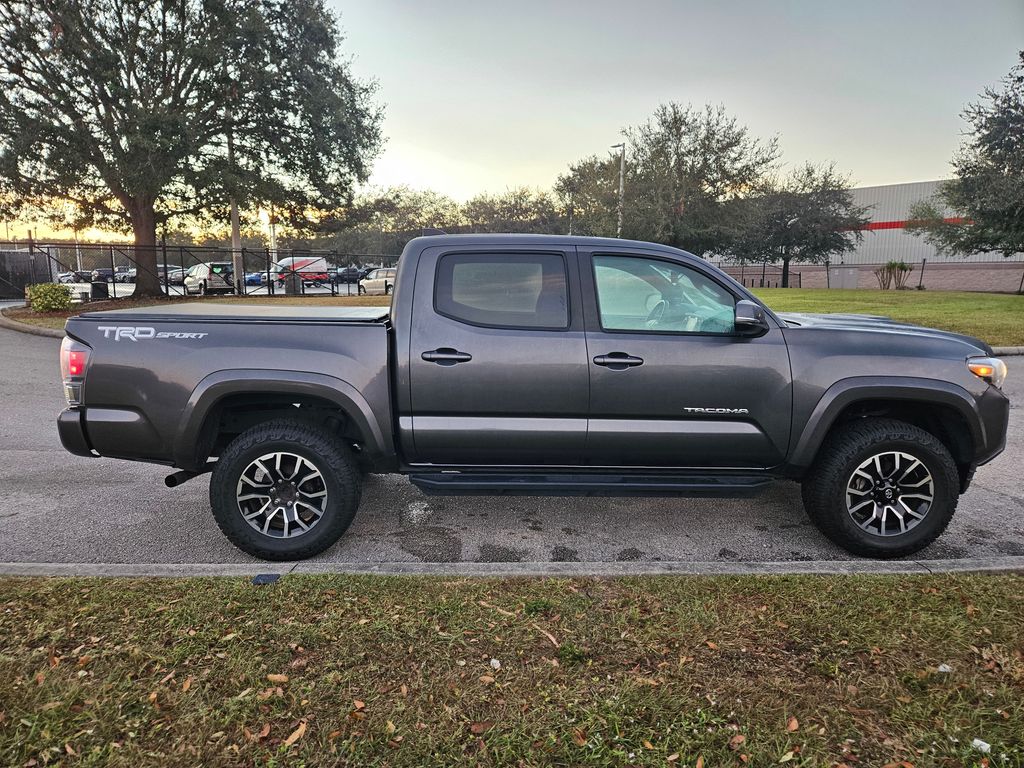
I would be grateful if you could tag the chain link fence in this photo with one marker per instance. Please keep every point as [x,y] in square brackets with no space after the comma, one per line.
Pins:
[111,270]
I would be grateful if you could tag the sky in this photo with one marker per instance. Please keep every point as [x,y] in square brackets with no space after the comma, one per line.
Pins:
[484,96]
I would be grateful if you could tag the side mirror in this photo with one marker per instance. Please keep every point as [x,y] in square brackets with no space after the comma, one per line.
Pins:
[750,319]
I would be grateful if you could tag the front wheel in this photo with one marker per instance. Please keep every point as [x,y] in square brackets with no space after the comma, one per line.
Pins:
[882,488]
[361,290]
[285,490]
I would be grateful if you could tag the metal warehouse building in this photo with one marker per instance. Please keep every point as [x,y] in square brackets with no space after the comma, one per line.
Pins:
[887,239]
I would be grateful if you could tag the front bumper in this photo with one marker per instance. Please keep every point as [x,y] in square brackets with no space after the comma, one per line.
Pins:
[71,428]
[994,409]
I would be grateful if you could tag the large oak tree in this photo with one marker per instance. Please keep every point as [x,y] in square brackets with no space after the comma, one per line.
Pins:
[142,110]
[809,216]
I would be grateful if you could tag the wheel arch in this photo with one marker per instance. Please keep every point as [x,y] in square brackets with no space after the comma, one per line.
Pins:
[941,408]
[270,393]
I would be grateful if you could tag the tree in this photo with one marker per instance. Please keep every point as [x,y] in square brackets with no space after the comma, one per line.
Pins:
[384,221]
[807,217]
[986,197]
[589,194]
[139,111]
[687,165]
[683,166]
[517,210]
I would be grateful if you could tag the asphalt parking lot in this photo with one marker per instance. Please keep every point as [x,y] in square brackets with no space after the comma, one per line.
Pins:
[63,509]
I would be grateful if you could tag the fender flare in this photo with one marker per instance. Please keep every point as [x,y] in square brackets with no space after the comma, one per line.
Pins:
[846,392]
[220,384]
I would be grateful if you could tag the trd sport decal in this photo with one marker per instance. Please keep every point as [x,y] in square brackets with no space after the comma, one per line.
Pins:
[144,333]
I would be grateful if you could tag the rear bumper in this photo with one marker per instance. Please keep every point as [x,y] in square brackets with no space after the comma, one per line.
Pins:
[118,433]
[71,428]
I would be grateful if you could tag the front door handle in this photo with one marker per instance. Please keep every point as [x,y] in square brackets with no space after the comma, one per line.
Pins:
[618,361]
[446,356]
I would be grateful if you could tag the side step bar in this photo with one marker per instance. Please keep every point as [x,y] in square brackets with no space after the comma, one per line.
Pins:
[473,483]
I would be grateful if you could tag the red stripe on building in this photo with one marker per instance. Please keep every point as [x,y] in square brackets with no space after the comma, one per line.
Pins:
[903,224]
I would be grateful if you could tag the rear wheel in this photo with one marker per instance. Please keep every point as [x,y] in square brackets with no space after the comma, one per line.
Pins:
[882,488]
[387,290]
[361,290]
[285,490]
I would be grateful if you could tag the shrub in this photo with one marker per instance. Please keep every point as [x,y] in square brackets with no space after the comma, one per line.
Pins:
[894,274]
[49,297]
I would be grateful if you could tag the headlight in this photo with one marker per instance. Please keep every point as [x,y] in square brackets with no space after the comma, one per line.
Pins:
[991,369]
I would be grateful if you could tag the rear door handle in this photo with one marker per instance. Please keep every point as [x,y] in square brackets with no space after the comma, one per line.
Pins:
[618,361]
[446,356]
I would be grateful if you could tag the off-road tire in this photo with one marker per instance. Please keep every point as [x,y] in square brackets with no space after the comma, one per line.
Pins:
[332,458]
[824,486]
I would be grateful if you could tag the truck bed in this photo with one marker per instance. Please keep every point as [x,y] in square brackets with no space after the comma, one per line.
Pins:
[155,372]
[207,312]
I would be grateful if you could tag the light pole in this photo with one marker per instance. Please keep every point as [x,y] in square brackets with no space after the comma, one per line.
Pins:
[622,181]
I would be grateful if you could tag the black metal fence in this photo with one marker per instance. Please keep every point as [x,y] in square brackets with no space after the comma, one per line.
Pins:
[265,271]
[760,275]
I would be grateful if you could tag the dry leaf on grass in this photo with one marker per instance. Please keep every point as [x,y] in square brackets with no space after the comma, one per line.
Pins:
[297,734]
[792,724]
[277,678]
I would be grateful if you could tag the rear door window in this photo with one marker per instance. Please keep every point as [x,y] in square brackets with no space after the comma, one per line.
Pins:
[527,290]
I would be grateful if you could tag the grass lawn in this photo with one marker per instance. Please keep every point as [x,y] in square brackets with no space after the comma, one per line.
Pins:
[997,318]
[336,670]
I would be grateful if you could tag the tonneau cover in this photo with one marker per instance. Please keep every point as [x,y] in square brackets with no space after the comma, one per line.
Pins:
[202,311]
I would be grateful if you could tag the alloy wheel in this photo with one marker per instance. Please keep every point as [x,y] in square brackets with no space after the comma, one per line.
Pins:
[282,495]
[889,493]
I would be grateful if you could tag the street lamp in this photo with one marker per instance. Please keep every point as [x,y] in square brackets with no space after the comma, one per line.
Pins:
[622,179]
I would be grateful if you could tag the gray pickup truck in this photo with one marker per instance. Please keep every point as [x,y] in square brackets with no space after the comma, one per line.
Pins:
[539,365]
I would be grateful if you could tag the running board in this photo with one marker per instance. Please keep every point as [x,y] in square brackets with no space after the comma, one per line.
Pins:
[473,483]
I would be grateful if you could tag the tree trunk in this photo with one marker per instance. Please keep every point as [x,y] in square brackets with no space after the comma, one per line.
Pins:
[785,272]
[148,281]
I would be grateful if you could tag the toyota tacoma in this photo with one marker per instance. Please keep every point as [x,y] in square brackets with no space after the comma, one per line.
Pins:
[516,364]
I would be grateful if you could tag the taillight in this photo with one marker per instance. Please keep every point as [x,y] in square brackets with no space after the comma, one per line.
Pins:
[74,359]
[76,362]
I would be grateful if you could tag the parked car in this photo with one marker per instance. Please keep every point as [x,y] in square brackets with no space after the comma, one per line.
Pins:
[254,278]
[311,269]
[214,277]
[176,275]
[539,365]
[75,276]
[124,275]
[379,281]
[102,275]
[349,275]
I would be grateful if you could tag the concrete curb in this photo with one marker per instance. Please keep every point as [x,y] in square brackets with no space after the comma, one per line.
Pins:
[1006,351]
[14,325]
[481,570]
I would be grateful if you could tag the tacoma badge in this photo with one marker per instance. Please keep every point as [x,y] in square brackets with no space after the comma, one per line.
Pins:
[724,411]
